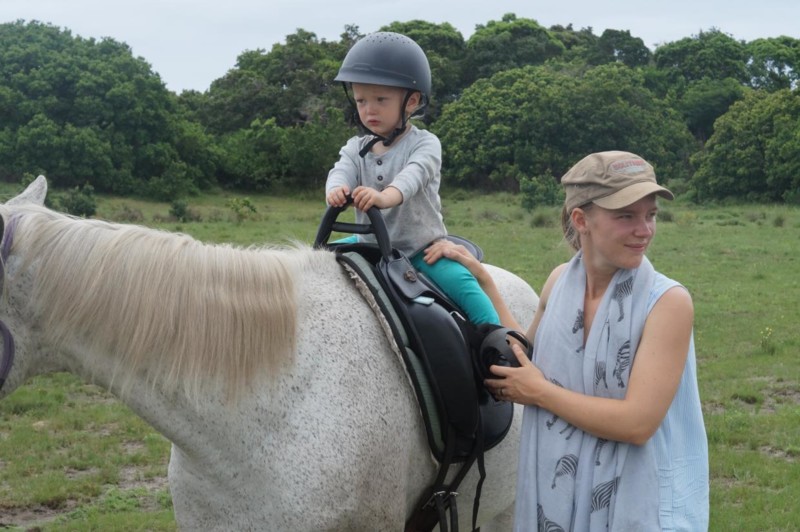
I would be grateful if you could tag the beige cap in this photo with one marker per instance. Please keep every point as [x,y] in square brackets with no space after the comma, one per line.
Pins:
[610,179]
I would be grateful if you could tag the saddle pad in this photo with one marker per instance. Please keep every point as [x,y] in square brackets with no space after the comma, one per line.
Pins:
[495,416]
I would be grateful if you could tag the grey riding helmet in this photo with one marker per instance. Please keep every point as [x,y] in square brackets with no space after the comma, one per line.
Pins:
[391,59]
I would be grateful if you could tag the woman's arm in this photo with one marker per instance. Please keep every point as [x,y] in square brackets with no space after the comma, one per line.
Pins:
[655,376]
[447,249]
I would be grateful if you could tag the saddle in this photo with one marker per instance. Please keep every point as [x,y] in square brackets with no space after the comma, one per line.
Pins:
[446,358]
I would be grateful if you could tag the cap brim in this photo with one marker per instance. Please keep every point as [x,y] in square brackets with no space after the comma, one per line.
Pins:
[632,194]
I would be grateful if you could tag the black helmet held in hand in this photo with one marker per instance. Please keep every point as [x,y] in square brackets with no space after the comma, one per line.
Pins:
[387,58]
[495,350]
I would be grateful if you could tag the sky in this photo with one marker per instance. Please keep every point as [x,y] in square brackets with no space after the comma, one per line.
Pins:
[190,43]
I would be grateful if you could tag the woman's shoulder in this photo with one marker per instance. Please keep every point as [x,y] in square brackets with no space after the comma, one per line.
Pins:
[664,286]
[551,280]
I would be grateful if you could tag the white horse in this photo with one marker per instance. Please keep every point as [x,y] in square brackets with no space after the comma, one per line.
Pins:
[286,405]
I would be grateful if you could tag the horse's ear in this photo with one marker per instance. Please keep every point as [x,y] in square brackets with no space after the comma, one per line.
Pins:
[35,193]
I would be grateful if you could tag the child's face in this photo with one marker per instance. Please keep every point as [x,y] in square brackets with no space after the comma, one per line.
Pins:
[379,106]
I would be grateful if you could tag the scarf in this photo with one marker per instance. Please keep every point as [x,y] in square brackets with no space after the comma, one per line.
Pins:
[568,479]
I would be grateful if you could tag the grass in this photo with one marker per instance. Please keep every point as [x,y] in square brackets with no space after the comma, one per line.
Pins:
[74,458]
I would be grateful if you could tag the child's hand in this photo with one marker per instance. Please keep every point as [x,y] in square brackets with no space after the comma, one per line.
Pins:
[338,196]
[365,198]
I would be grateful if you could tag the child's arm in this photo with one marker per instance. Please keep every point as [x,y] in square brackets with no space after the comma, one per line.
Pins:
[366,197]
[344,176]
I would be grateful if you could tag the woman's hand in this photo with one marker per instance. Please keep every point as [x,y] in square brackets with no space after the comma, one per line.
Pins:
[444,248]
[518,385]
[448,249]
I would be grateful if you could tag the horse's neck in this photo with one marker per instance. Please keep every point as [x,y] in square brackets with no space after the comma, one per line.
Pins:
[168,413]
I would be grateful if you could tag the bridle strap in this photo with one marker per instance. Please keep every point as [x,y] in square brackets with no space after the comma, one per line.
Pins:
[8,352]
[9,349]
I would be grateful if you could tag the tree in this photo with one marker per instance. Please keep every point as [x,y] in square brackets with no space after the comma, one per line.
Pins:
[266,155]
[576,43]
[774,63]
[619,45]
[710,54]
[705,100]
[290,83]
[535,121]
[508,43]
[86,111]
[754,153]
[444,47]
[702,75]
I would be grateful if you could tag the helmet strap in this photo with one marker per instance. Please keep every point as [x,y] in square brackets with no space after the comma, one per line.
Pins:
[387,141]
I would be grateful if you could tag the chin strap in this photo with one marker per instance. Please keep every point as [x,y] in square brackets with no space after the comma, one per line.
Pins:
[387,141]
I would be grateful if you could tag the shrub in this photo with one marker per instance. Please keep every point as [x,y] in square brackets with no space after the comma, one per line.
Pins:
[126,213]
[540,190]
[79,201]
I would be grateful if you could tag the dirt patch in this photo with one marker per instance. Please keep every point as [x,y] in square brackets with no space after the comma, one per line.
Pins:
[31,519]
[132,477]
[775,394]
[781,454]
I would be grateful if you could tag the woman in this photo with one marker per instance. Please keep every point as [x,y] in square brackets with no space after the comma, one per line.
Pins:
[613,435]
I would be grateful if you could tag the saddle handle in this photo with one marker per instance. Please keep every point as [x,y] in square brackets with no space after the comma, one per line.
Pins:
[376,226]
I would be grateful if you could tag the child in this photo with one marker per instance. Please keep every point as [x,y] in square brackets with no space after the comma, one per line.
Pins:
[396,167]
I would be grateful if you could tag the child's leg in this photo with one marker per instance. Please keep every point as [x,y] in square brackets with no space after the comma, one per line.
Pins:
[352,239]
[461,286]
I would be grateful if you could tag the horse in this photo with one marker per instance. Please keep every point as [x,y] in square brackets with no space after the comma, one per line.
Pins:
[285,403]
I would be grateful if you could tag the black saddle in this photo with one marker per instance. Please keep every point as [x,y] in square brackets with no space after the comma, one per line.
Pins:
[442,352]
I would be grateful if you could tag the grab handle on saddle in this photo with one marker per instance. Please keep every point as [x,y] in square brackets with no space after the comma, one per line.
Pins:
[376,226]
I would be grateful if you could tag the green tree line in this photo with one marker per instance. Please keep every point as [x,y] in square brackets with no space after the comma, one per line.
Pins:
[514,105]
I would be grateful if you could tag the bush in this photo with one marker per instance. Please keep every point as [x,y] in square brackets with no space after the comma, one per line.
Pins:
[540,190]
[179,209]
[542,219]
[79,201]
[242,209]
[127,214]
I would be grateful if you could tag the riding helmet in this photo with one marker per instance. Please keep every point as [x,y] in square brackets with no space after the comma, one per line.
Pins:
[387,58]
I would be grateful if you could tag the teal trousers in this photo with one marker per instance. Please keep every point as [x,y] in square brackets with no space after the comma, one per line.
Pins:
[456,281]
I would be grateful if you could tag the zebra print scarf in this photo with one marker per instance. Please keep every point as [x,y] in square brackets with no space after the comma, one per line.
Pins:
[568,479]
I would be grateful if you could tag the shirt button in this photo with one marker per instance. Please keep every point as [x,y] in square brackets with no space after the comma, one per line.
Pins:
[380,178]
[379,162]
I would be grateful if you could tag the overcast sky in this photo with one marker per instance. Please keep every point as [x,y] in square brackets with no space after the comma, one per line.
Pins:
[190,43]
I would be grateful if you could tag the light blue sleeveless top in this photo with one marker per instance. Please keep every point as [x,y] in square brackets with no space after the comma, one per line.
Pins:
[679,449]
[681,446]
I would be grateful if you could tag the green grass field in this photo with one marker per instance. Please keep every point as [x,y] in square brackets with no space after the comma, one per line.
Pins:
[74,458]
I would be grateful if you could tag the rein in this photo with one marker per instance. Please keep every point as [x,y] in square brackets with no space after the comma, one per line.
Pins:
[8,340]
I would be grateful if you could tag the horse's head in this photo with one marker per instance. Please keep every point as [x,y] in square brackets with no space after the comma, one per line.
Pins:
[33,194]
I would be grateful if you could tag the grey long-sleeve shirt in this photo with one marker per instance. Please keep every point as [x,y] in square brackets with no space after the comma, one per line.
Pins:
[413,166]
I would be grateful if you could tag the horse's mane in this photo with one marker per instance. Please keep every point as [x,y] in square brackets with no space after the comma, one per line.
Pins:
[184,313]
